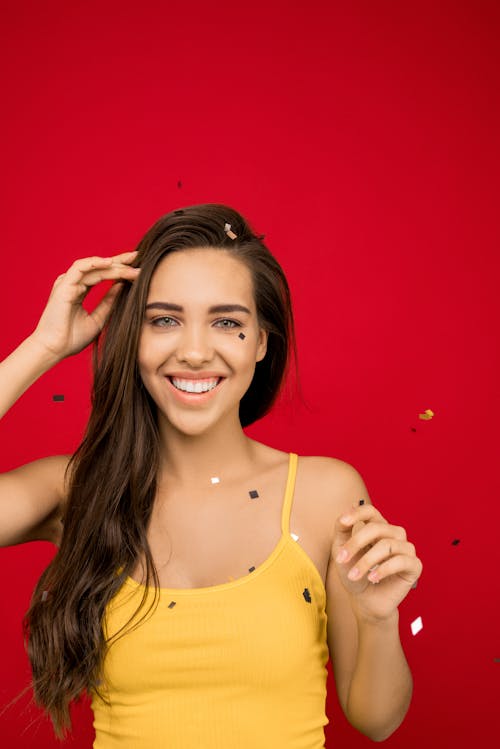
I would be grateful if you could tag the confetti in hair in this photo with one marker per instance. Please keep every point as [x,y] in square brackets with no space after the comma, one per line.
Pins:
[230,234]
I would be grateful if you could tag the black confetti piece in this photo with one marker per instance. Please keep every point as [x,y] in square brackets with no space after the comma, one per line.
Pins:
[455,542]
[251,569]
[413,429]
[171,604]
[179,184]
[307,595]
[361,501]
[253,493]
[58,397]
[241,335]
[496,660]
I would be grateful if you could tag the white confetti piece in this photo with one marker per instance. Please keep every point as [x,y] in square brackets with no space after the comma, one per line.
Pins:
[294,536]
[416,625]
[215,479]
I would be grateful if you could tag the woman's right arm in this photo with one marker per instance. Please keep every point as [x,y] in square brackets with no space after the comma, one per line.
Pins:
[32,496]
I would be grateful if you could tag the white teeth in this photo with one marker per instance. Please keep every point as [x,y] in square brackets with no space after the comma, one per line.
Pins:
[195,386]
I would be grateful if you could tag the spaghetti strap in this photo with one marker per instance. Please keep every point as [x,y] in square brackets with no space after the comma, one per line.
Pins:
[290,485]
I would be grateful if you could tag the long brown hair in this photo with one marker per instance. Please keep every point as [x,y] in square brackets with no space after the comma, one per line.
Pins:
[113,473]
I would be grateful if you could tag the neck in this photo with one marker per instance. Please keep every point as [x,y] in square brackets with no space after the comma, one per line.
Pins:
[192,460]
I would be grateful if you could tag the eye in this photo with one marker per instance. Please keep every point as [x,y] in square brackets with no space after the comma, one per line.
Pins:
[159,322]
[232,323]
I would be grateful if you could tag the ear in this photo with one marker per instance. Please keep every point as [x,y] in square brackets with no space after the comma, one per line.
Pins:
[261,345]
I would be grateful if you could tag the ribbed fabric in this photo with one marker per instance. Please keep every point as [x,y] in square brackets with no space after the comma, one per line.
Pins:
[241,665]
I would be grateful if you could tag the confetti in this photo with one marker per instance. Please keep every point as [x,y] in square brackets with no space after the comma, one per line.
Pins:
[253,493]
[294,536]
[45,595]
[241,335]
[58,397]
[179,184]
[455,542]
[427,415]
[251,569]
[230,234]
[416,625]
[215,479]
[171,604]
[307,595]
[361,501]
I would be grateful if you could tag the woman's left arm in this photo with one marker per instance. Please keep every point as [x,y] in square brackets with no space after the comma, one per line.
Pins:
[377,570]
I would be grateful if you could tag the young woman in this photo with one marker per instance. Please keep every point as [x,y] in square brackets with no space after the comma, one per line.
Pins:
[202,578]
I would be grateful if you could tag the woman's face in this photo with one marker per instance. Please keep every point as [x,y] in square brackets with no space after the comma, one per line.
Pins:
[186,339]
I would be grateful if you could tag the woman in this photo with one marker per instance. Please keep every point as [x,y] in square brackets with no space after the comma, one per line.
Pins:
[199,584]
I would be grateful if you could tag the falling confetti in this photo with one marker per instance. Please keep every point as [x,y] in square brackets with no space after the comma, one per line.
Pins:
[294,536]
[427,415]
[179,184]
[45,595]
[253,493]
[307,595]
[416,625]
[241,335]
[455,542]
[215,479]
[58,397]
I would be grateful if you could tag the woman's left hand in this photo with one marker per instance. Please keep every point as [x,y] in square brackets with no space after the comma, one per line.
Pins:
[370,543]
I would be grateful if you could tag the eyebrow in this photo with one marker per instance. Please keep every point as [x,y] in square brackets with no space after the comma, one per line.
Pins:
[170,307]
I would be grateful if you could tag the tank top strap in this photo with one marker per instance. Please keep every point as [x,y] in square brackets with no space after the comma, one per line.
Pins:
[288,499]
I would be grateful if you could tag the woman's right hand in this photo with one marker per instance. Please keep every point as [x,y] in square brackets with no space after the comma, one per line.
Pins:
[65,327]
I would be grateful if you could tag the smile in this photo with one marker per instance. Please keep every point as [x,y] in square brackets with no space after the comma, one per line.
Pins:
[194,391]
[195,386]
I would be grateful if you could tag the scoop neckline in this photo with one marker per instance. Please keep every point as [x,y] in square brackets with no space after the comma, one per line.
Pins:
[285,536]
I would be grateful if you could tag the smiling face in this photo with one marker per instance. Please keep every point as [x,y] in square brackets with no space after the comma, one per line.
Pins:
[191,334]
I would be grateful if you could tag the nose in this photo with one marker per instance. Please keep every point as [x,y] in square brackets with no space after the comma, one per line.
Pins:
[194,347]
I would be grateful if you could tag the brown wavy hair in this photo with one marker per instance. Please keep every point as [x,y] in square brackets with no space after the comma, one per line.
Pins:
[112,475]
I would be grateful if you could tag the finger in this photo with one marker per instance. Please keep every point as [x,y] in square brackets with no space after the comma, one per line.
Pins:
[408,567]
[125,257]
[383,550]
[371,533]
[362,513]
[94,275]
[101,312]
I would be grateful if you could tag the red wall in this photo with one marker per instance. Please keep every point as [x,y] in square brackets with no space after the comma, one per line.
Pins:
[362,139]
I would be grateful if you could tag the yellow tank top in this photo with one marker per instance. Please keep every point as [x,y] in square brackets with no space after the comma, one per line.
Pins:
[240,665]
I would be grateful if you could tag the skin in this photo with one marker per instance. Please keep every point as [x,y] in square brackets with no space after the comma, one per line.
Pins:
[195,438]
[372,676]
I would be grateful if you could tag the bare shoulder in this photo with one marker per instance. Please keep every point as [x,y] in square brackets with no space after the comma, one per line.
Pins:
[334,483]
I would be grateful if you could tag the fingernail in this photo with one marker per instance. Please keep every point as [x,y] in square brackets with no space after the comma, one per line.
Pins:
[353,574]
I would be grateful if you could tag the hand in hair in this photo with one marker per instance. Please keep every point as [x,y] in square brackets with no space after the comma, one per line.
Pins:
[65,327]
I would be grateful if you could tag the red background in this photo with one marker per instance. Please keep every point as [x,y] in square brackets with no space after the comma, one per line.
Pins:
[362,139]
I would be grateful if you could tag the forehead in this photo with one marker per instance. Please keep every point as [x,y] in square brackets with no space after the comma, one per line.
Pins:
[201,275]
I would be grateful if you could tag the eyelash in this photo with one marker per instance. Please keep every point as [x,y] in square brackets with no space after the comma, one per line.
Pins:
[166,317]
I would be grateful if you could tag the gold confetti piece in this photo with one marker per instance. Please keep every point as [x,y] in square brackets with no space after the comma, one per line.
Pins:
[427,415]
